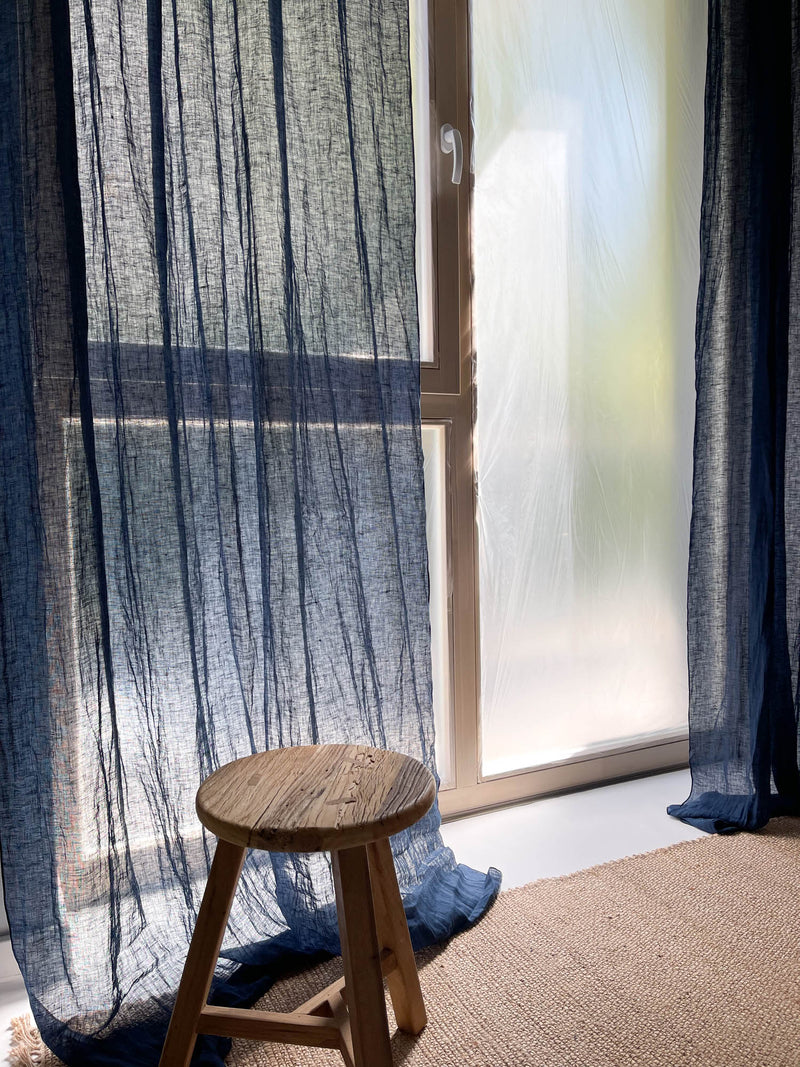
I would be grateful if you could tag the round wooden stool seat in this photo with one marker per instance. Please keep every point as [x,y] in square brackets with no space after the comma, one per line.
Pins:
[344,799]
[315,798]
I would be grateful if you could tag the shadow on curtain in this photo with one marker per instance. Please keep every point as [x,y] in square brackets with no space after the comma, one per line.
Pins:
[744,567]
[213,530]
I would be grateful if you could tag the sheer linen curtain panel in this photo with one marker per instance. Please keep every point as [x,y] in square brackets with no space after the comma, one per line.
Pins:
[744,557]
[212,523]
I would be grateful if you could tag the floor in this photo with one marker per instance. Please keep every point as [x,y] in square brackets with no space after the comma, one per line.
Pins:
[567,833]
[540,839]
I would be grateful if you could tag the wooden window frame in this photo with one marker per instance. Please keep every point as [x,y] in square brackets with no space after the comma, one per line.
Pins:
[447,395]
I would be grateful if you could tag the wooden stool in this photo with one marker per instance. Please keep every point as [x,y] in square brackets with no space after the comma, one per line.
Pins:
[346,799]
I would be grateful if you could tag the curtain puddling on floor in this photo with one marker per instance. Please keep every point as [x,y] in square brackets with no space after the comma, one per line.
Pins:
[212,529]
[744,569]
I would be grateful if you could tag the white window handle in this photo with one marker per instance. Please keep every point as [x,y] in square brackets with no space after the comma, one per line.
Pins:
[450,141]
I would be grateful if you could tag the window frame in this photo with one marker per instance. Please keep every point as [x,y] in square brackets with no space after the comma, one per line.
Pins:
[448,394]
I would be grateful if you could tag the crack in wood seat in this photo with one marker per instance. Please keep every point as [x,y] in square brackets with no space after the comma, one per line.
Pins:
[346,799]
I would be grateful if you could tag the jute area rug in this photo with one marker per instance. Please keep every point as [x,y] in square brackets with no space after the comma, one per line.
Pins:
[685,956]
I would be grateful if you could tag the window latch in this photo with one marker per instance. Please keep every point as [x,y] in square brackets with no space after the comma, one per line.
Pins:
[450,141]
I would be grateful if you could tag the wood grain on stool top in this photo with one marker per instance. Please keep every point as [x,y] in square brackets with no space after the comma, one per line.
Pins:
[314,798]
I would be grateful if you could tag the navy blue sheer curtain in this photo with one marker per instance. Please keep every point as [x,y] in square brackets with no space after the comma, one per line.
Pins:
[212,530]
[744,570]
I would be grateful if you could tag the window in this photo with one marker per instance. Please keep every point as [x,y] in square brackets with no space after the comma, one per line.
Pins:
[557,286]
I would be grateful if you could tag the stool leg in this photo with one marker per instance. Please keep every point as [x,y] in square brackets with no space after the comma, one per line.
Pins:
[409,1007]
[363,980]
[203,954]
[342,1016]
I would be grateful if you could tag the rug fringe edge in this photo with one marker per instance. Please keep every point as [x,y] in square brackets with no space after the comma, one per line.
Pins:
[27,1048]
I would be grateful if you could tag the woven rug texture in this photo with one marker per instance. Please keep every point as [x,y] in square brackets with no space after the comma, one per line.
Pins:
[684,957]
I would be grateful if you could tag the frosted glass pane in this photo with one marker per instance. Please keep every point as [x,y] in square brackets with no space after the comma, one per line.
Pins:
[588,162]
[420,104]
[434,447]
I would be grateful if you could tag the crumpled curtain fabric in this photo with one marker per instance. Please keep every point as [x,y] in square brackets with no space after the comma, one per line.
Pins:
[744,570]
[212,532]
